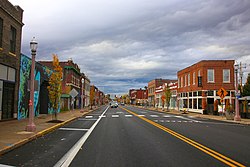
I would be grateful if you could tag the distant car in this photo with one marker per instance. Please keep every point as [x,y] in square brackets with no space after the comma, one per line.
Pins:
[113,104]
[122,104]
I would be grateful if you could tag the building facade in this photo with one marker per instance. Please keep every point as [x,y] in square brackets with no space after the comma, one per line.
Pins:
[71,80]
[160,98]
[86,90]
[152,85]
[138,96]
[41,97]
[10,47]
[199,83]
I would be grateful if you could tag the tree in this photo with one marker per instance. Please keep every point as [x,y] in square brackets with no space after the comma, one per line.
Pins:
[246,87]
[55,87]
[92,96]
[168,95]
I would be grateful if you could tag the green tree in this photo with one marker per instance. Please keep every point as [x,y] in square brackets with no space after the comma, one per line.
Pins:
[55,86]
[168,95]
[246,87]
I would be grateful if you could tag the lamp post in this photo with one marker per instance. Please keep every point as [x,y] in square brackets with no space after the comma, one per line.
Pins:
[31,127]
[237,94]
[82,94]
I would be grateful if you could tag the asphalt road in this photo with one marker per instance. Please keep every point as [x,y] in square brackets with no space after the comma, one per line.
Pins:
[129,136]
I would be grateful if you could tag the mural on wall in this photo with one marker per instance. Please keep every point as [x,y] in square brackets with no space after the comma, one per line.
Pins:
[42,74]
[25,66]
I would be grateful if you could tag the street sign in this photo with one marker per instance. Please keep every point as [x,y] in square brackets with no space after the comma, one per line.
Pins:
[73,93]
[222,93]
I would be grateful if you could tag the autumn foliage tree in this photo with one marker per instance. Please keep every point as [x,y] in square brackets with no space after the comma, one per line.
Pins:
[168,94]
[92,96]
[55,88]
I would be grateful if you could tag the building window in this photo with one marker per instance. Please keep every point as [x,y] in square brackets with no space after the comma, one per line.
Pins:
[181,82]
[185,80]
[12,40]
[226,75]
[210,75]
[193,78]
[1,32]
[189,79]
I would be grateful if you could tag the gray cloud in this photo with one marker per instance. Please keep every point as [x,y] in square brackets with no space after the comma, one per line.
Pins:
[124,44]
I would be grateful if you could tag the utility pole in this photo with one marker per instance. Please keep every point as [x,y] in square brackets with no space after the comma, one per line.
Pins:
[237,94]
[241,74]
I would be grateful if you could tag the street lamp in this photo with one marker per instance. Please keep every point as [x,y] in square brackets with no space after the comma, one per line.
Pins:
[31,127]
[237,94]
[82,94]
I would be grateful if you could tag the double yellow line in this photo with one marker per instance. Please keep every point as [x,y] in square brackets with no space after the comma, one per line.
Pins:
[218,156]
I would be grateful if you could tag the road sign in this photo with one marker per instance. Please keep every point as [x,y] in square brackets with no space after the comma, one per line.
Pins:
[73,93]
[222,93]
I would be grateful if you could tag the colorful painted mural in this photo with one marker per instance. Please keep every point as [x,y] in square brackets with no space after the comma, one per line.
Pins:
[41,102]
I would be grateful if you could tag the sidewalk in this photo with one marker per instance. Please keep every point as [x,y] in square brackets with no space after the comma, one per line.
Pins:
[13,132]
[198,115]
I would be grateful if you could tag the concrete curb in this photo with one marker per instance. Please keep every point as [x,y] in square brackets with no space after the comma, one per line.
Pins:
[40,134]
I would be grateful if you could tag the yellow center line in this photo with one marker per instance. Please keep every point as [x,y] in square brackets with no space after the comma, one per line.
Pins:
[218,156]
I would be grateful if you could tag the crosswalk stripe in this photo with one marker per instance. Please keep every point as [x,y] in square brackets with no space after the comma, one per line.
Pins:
[128,115]
[115,116]
[141,115]
[154,116]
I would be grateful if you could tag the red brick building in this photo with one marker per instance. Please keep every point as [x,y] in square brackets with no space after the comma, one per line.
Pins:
[11,24]
[159,94]
[198,84]
[138,96]
[71,80]
[152,85]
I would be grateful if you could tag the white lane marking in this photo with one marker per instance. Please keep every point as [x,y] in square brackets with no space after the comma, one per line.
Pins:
[156,120]
[66,160]
[119,112]
[167,116]
[115,116]
[83,119]
[181,117]
[143,112]
[89,116]
[102,116]
[172,121]
[154,116]
[128,115]
[167,121]
[2,165]
[141,115]
[76,129]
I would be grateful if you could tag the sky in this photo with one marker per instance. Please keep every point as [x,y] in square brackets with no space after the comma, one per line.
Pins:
[123,44]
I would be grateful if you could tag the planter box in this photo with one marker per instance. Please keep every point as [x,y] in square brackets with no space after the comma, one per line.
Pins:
[229,115]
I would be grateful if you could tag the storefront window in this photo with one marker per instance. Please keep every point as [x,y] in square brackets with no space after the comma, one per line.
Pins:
[195,104]
[199,103]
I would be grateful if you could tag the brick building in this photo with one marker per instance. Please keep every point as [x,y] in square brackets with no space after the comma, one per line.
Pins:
[160,93]
[71,80]
[86,89]
[138,96]
[152,85]
[198,84]
[10,47]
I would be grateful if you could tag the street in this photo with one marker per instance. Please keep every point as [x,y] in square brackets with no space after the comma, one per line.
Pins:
[130,136]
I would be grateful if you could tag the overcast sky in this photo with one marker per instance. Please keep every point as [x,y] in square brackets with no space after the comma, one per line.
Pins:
[123,44]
